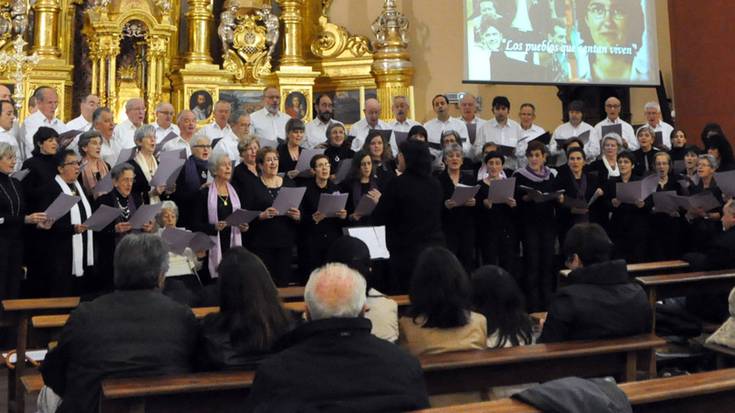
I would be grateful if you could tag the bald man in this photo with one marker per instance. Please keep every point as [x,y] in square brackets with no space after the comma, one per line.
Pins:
[612,108]
[362,127]
[164,122]
[269,123]
[125,130]
[47,102]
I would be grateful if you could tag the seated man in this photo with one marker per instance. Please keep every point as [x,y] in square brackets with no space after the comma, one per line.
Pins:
[133,331]
[333,363]
[600,300]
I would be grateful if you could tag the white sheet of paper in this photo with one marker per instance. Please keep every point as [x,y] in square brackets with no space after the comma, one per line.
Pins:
[61,206]
[288,198]
[366,206]
[343,168]
[104,185]
[201,242]
[102,217]
[143,215]
[241,216]
[726,182]
[20,175]
[303,164]
[374,238]
[501,189]
[665,202]
[125,155]
[177,239]
[330,204]
[267,142]
[175,154]
[462,193]
[168,170]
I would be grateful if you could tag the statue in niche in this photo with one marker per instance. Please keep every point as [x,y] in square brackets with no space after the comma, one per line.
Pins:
[271,25]
[226,29]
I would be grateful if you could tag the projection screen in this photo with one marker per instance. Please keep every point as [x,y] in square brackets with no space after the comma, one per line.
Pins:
[596,42]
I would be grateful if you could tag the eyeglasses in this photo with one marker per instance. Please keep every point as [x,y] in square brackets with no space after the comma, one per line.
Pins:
[165,113]
[612,106]
[202,146]
[76,163]
[598,11]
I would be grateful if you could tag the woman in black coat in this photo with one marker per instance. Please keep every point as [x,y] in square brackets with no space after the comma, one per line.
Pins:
[606,168]
[458,221]
[629,222]
[289,151]
[665,241]
[579,186]
[384,166]
[360,182]
[245,174]
[705,225]
[193,177]
[273,233]
[41,167]
[410,208]
[338,149]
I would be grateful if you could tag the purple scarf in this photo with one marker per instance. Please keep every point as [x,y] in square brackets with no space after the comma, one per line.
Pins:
[191,172]
[533,176]
[215,253]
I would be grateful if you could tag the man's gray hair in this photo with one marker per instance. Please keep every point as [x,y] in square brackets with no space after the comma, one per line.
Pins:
[130,102]
[6,150]
[400,97]
[167,205]
[141,260]
[236,115]
[143,131]
[652,105]
[97,114]
[39,93]
[117,170]
[335,291]
[214,160]
[162,104]
[711,159]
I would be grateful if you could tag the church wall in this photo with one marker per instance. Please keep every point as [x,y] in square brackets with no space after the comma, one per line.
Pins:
[436,36]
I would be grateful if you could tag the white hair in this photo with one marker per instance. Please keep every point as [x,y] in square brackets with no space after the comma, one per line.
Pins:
[335,291]
[199,136]
[652,105]
[214,160]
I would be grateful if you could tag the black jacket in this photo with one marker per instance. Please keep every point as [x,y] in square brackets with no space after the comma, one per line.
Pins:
[721,252]
[336,365]
[122,334]
[599,303]
[42,171]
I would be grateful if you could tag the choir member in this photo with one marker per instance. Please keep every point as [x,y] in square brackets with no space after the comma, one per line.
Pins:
[193,177]
[410,208]
[41,167]
[688,176]
[628,222]
[145,165]
[578,184]
[705,225]
[360,182]
[497,238]
[289,151]
[719,147]
[539,226]
[665,227]
[646,152]
[246,174]
[418,132]
[678,145]
[13,215]
[273,233]
[606,168]
[381,155]
[338,148]
[70,244]
[458,223]
[317,230]
[93,167]
[213,205]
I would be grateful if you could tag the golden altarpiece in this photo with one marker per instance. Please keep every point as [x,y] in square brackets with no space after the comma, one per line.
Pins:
[194,52]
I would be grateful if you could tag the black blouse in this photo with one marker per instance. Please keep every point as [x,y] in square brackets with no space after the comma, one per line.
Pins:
[277,232]
[12,208]
[285,163]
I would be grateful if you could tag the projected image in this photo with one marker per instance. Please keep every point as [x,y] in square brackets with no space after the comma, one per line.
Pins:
[561,41]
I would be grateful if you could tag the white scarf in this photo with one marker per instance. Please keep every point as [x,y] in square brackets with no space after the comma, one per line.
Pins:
[77,241]
[143,163]
[610,171]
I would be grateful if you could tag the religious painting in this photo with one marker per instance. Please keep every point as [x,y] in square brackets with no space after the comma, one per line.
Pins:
[247,101]
[296,105]
[346,106]
[201,104]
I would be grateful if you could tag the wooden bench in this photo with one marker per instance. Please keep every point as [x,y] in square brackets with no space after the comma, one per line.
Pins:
[482,369]
[450,372]
[17,313]
[659,287]
[722,354]
[711,392]
[649,267]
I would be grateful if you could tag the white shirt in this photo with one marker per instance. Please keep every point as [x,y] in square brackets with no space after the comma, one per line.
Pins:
[665,130]
[527,135]
[162,133]
[177,144]
[213,131]
[316,132]
[397,126]
[80,124]
[124,134]
[435,128]
[35,121]
[7,137]
[360,130]
[269,126]
[628,133]
[504,135]
[475,121]
[567,131]
[228,146]
[109,151]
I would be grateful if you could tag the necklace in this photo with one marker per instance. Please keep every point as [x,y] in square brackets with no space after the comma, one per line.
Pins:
[124,209]
[223,198]
[10,200]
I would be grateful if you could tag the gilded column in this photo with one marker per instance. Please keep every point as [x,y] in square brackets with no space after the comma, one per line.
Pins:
[392,67]
[112,51]
[200,21]
[46,32]
[293,54]
[94,57]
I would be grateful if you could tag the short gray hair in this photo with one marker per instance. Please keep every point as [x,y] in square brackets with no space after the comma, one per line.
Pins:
[141,260]
[214,160]
[6,150]
[198,137]
[711,159]
[615,137]
[242,146]
[652,105]
[236,115]
[98,113]
[346,288]
[142,132]
[85,138]
[160,106]
[452,148]
[648,129]
[130,102]
[167,205]
[117,170]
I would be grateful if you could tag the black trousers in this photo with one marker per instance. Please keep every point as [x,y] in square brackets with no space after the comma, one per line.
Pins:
[11,262]
[538,257]
[278,262]
[498,247]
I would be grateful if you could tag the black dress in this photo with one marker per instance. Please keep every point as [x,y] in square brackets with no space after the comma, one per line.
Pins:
[355,190]
[271,239]
[12,218]
[338,153]
[458,223]
[703,231]
[285,163]
[243,180]
[141,187]
[315,239]
[574,189]
[107,239]
[201,223]
[187,189]
[41,173]
[645,162]
[665,242]
[600,213]
[496,230]
[629,226]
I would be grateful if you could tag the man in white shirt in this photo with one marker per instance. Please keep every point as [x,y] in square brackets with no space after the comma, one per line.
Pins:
[103,122]
[362,127]
[270,123]
[572,129]
[316,129]
[400,122]
[529,130]
[187,122]
[612,108]
[125,130]
[164,121]
[240,123]
[220,128]
[468,108]
[443,122]
[83,122]
[47,102]
[502,131]
[652,110]
[7,117]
